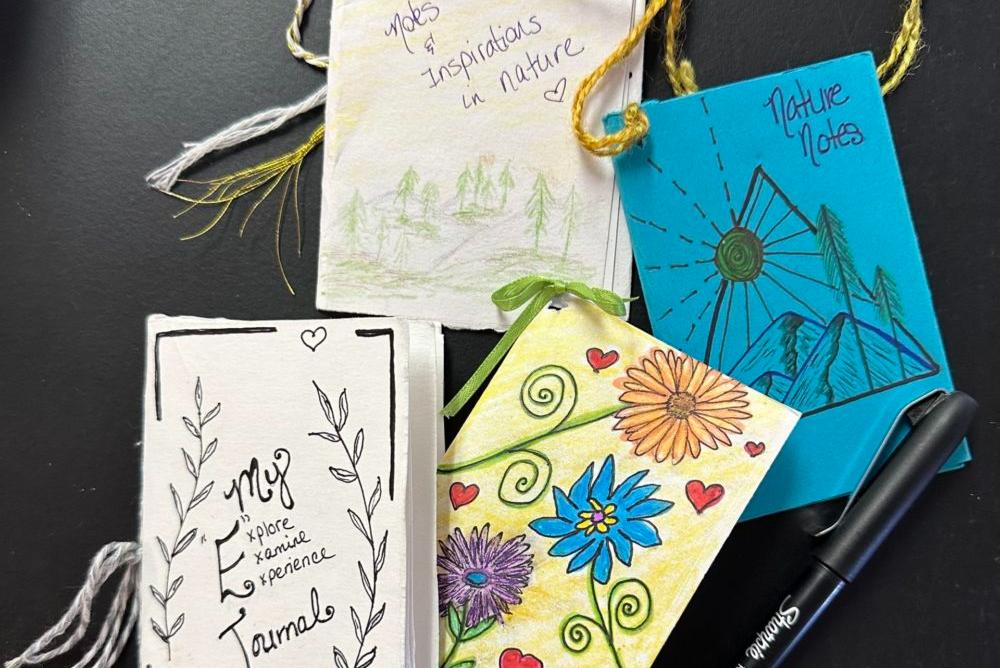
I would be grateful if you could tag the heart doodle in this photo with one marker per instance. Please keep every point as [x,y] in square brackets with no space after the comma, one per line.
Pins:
[462,495]
[702,497]
[598,359]
[558,93]
[515,658]
[312,338]
[754,449]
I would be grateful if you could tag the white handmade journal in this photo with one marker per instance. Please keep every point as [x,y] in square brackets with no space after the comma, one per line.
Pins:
[451,166]
[288,493]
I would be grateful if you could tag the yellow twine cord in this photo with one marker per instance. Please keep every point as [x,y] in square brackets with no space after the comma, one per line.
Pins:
[264,177]
[293,37]
[903,52]
[680,72]
[636,124]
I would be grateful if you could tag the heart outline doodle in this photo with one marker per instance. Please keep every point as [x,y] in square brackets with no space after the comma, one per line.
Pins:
[599,359]
[557,94]
[512,657]
[754,448]
[318,336]
[703,497]
[462,495]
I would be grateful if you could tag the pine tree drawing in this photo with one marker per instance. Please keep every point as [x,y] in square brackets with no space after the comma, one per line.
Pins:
[406,187]
[841,271]
[355,219]
[506,185]
[429,197]
[381,234]
[402,248]
[487,195]
[889,307]
[571,218]
[463,188]
[479,185]
[539,208]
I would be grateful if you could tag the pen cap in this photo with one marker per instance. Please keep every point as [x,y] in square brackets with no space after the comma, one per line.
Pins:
[903,479]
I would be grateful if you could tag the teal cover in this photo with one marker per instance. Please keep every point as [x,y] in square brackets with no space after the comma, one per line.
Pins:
[773,239]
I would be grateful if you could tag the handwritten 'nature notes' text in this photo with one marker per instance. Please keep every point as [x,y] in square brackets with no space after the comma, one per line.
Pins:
[277,467]
[450,164]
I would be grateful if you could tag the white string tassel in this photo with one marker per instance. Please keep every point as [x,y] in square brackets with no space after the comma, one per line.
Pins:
[117,624]
[164,178]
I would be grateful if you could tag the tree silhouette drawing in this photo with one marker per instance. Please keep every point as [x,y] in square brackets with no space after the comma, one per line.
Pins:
[889,307]
[841,271]
[381,234]
[487,194]
[406,187]
[464,188]
[429,197]
[479,184]
[539,208]
[571,218]
[506,185]
[355,219]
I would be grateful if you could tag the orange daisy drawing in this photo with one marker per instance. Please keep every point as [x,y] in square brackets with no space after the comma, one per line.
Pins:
[677,405]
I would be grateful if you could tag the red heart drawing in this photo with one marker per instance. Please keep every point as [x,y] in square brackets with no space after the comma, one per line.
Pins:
[462,495]
[514,658]
[754,449]
[702,497]
[598,359]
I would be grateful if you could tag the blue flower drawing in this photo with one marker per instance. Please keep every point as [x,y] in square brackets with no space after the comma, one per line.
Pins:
[596,516]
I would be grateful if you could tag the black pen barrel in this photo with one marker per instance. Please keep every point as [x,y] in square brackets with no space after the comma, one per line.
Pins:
[796,613]
[842,556]
[897,486]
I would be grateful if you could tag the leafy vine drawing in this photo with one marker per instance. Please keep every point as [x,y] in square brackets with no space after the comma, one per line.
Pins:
[362,522]
[548,395]
[182,539]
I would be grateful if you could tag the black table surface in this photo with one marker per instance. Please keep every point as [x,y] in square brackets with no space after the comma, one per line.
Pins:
[94,94]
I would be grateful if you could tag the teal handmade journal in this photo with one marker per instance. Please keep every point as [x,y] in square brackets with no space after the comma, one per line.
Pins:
[773,239]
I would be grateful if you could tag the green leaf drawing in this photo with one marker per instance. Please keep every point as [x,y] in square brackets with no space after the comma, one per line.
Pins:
[454,623]
[479,629]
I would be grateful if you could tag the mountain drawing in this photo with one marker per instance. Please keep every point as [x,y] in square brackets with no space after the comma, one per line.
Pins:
[829,324]
[812,367]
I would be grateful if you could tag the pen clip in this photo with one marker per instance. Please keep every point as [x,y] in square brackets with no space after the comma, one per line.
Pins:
[877,457]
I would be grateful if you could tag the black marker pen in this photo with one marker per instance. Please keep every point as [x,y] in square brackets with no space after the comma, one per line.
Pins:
[840,558]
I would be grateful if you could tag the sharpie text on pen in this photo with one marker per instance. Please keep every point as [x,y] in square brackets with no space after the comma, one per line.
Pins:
[785,618]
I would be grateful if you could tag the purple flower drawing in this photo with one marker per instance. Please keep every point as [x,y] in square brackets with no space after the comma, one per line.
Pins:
[482,576]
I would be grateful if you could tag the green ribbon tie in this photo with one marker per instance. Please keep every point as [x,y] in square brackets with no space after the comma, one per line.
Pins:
[537,292]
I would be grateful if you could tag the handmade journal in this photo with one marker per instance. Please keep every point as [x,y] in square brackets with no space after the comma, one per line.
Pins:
[773,239]
[449,166]
[588,492]
[287,508]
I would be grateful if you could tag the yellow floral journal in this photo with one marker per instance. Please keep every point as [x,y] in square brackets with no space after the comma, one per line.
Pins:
[588,492]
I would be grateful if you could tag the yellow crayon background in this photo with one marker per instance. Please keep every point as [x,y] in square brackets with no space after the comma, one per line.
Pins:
[690,541]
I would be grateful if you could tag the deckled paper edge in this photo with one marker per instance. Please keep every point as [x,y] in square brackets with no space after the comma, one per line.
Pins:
[618,250]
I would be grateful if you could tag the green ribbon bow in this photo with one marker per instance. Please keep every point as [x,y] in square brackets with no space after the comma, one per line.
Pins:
[537,292]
